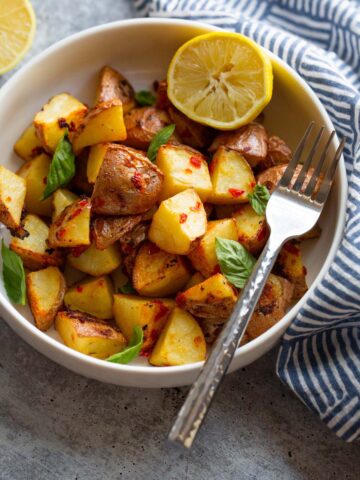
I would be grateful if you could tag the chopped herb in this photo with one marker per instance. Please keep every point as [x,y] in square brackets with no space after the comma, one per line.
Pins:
[258,199]
[132,350]
[145,98]
[127,288]
[13,275]
[160,138]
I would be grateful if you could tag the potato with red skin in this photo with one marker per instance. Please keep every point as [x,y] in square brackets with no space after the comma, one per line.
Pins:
[127,183]
[271,177]
[162,99]
[278,151]
[190,132]
[108,230]
[113,85]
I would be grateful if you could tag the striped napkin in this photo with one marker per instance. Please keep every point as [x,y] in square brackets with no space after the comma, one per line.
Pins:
[319,357]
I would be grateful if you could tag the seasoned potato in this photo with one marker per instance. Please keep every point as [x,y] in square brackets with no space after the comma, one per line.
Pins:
[162,100]
[89,335]
[104,123]
[148,313]
[271,177]
[214,297]
[108,230]
[72,275]
[158,273]
[315,232]
[127,183]
[191,133]
[251,141]
[113,85]
[72,227]
[278,152]
[179,221]
[203,256]
[183,168]
[181,341]
[93,296]
[290,265]
[62,112]
[33,249]
[194,280]
[35,173]
[61,199]
[28,146]
[231,176]
[95,160]
[12,197]
[45,291]
[96,262]
[271,307]
[211,327]
[252,228]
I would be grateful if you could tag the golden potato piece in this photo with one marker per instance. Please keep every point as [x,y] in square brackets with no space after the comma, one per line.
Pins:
[179,221]
[33,249]
[231,176]
[183,167]
[61,199]
[89,335]
[150,314]
[62,112]
[214,297]
[95,160]
[114,86]
[28,146]
[181,341]
[203,255]
[157,273]
[35,173]
[45,291]
[12,198]
[96,262]
[290,265]
[104,123]
[252,228]
[72,227]
[93,296]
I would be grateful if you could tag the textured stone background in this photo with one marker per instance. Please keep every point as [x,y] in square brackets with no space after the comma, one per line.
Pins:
[59,426]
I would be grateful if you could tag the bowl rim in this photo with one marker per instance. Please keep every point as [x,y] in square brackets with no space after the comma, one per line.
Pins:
[59,348]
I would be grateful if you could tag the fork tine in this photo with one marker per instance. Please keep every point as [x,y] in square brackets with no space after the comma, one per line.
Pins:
[315,176]
[324,190]
[289,172]
[301,177]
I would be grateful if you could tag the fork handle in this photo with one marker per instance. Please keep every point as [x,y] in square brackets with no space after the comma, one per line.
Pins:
[197,403]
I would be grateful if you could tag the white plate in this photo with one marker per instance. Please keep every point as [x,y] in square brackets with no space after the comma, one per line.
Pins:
[141,49]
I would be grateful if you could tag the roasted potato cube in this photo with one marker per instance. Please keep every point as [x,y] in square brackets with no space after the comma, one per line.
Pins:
[191,133]
[194,280]
[95,160]
[290,265]
[183,168]
[61,112]
[214,297]
[35,173]
[93,296]
[252,228]
[108,230]
[33,249]
[114,86]
[28,146]
[104,123]
[278,152]
[148,313]
[96,262]
[89,335]
[231,176]
[72,275]
[45,291]
[203,255]
[72,227]
[271,307]
[12,197]
[61,199]
[179,221]
[271,177]
[181,341]
[157,273]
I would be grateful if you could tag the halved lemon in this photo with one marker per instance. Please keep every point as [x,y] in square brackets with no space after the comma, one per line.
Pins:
[220,79]
[17,28]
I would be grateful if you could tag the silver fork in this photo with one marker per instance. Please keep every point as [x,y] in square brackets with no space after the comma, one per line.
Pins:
[304,205]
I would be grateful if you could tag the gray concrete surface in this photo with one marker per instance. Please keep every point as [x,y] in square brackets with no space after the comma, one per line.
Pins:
[59,426]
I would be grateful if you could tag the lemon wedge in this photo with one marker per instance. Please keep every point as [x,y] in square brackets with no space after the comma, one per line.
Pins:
[220,79]
[17,28]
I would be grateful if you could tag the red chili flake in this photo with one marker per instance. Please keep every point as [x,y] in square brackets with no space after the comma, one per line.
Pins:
[62,123]
[291,248]
[77,251]
[216,269]
[152,249]
[36,151]
[261,235]
[101,283]
[188,170]
[84,202]
[72,127]
[252,184]
[236,192]
[138,181]
[198,341]
[196,162]
[180,299]
[44,180]
[304,269]
[196,208]
[183,217]
[161,310]
[79,288]
[60,233]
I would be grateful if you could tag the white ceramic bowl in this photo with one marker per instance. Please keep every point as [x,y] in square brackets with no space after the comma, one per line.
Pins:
[141,49]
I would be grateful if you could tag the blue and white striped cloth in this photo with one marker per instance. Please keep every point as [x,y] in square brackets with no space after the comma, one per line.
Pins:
[319,357]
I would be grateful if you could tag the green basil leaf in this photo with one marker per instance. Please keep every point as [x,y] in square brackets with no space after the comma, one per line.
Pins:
[127,288]
[258,198]
[132,350]
[236,263]
[145,98]
[62,168]
[13,275]
[160,138]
